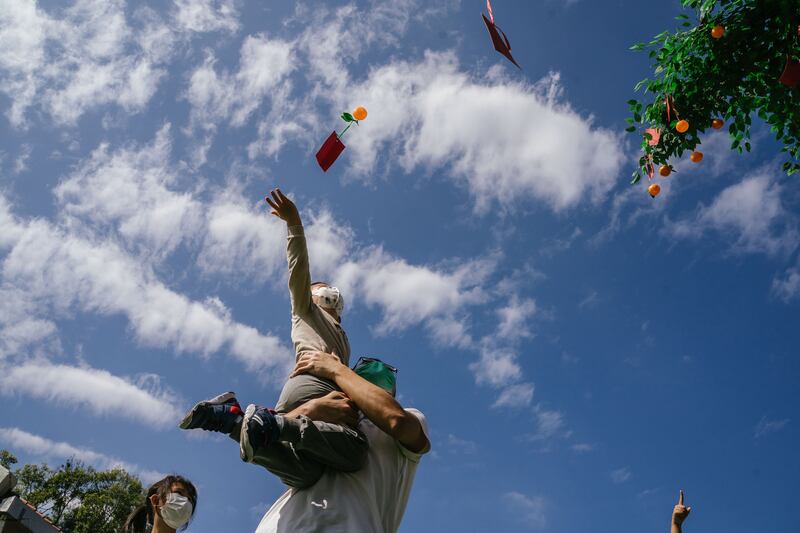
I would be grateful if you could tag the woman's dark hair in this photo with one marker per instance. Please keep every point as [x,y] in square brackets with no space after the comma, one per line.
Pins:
[142,516]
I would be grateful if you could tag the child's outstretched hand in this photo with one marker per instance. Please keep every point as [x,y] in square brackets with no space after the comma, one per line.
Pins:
[284,208]
[680,512]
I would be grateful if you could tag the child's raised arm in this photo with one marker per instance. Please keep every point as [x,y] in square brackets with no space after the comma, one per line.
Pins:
[296,252]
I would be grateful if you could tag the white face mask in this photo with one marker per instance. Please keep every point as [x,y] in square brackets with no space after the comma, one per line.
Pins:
[176,511]
[329,298]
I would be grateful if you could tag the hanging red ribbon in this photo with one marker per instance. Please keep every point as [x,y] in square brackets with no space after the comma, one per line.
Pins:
[669,108]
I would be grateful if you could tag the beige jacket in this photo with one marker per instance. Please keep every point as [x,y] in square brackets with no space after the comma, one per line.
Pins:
[312,327]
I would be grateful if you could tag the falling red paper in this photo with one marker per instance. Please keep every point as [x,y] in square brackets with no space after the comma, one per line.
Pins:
[791,74]
[501,44]
[330,150]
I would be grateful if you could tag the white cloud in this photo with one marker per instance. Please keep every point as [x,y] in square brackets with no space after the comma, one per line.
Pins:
[752,211]
[529,509]
[504,141]
[132,191]
[549,424]
[459,445]
[87,58]
[410,294]
[582,447]
[40,446]
[515,319]
[216,97]
[98,391]
[206,15]
[620,475]
[62,272]
[21,331]
[766,426]
[496,367]
[787,288]
[515,396]
[21,163]
[240,240]
[243,239]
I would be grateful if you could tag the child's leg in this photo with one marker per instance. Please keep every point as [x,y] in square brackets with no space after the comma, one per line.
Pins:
[339,447]
[283,461]
[298,442]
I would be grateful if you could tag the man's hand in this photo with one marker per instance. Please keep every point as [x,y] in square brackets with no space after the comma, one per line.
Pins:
[680,512]
[284,208]
[320,364]
[334,408]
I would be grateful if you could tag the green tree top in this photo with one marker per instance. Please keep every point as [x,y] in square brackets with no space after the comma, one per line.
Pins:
[702,78]
[77,498]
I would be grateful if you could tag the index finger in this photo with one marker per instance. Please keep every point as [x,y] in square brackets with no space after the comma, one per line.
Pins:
[680,498]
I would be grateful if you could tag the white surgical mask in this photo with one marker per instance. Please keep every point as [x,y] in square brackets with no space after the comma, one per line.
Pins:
[176,511]
[329,298]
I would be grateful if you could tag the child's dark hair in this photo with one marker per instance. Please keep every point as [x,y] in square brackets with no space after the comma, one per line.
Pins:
[141,517]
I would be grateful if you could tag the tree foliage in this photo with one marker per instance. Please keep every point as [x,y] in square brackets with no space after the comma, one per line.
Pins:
[76,497]
[7,459]
[729,78]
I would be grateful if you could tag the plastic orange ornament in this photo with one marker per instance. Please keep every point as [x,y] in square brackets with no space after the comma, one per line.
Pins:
[717,123]
[654,190]
[696,157]
[717,32]
[665,170]
[682,126]
[360,113]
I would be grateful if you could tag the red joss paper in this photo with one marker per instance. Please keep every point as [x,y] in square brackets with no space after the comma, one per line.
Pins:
[330,150]
[791,74]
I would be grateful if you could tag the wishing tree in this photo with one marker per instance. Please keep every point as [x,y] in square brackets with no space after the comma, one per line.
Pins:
[728,60]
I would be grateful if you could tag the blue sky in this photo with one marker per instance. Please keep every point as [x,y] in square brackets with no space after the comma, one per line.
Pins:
[581,351]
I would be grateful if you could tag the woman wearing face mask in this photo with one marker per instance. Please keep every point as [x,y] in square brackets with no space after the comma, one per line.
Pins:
[168,507]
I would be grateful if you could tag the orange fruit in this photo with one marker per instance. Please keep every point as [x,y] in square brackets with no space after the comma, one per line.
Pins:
[696,157]
[360,113]
[717,32]
[682,126]
[654,189]
[717,123]
[665,170]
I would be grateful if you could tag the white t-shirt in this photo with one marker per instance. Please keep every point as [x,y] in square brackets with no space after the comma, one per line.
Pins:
[371,500]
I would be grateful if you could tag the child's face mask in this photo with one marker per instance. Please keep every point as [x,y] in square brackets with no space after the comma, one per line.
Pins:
[378,373]
[329,298]
[176,510]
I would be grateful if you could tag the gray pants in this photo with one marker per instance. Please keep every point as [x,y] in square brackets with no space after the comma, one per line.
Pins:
[306,447]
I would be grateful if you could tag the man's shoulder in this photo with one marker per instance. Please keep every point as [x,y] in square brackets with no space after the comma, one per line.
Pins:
[419,414]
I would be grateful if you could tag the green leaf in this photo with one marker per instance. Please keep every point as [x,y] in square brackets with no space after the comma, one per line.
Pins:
[347,117]
[630,129]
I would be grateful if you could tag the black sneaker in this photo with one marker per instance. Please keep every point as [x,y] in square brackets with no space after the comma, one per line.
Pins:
[217,414]
[259,428]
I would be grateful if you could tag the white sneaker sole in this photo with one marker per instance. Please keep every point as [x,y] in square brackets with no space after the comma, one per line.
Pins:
[222,398]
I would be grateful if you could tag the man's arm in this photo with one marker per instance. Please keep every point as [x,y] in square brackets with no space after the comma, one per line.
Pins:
[296,252]
[679,514]
[376,404]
